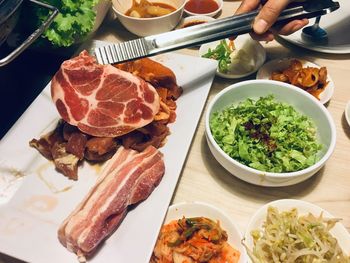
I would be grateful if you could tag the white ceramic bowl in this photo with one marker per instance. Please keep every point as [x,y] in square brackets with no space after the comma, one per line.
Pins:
[101,9]
[256,222]
[268,68]
[149,26]
[187,21]
[251,46]
[211,14]
[196,209]
[300,100]
[347,112]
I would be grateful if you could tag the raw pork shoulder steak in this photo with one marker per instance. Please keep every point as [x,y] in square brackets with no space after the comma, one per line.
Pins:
[102,100]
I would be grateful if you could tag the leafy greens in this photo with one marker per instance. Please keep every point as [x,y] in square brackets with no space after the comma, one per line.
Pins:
[266,135]
[75,20]
[221,53]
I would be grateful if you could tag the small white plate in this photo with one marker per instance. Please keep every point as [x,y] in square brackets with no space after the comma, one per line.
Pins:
[196,209]
[268,68]
[250,46]
[347,112]
[256,222]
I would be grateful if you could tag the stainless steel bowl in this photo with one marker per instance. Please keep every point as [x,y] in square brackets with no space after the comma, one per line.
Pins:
[9,14]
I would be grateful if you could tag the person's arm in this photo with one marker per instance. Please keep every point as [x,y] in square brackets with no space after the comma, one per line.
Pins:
[267,17]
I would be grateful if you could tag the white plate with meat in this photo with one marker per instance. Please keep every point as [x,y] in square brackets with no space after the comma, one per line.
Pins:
[31,216]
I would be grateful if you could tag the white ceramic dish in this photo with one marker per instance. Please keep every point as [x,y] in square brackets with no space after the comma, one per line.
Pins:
[347,112]
[336,24]
[149,26]
[256,222]
[249,45]
[281,64]
[30,220]
[211,14]
[196,209]
[300,100]
[186,21]
[101,9]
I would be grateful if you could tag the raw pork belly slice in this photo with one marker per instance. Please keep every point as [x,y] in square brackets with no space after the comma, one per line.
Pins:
[102,100]
[128,178]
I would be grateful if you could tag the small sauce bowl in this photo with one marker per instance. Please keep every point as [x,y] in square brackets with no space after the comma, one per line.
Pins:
[196,7]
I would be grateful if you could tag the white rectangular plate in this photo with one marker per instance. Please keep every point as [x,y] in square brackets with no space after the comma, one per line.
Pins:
[30,219]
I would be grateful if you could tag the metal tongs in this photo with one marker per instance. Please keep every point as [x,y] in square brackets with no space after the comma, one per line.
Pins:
[203,33]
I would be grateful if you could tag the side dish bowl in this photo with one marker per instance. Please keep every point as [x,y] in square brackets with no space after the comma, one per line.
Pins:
[268,68]
[250,56]
[256,222]
[202,4]
[302,101]
[149,26]
[200,209]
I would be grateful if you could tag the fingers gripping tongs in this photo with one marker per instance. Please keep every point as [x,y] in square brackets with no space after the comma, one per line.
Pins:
[203,33]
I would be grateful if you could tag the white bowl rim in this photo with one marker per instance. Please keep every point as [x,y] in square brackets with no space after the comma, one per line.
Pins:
[289,175]
[205,204]
[220,3]
[347,112]
[182,7]
[202,17]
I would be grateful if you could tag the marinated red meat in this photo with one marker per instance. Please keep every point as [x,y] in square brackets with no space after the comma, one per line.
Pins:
[100,148]
[65,162]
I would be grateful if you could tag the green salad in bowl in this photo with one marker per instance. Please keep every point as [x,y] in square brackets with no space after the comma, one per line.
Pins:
[266,135]
[269,133]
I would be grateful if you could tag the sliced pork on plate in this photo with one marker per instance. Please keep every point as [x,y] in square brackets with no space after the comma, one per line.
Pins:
[128,178]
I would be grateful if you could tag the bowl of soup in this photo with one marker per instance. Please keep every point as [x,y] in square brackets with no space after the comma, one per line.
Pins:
[149,17]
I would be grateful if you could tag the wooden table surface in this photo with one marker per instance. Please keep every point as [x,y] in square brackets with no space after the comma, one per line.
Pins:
[204,179]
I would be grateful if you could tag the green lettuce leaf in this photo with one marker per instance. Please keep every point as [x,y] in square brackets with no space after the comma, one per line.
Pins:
[75,21]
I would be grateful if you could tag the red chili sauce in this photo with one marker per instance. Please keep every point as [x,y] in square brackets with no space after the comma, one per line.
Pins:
[201,6]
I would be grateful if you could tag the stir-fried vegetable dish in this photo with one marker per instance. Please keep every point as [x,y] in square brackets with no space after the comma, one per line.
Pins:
[287,237]
[266,135]
[190,240]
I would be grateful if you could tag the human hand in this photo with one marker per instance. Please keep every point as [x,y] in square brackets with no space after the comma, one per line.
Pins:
[267,17]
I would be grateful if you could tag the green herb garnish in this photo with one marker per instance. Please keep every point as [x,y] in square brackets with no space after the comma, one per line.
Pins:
[221,53]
